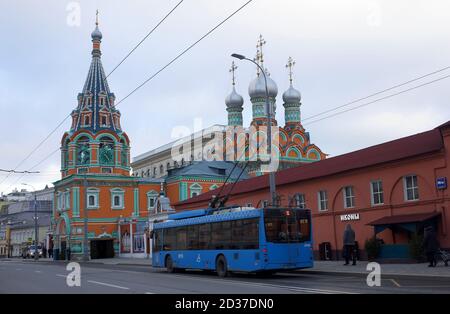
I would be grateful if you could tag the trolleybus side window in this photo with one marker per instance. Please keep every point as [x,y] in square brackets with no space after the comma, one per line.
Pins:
[169,239]
[181,238]
[220,235]
[204,234]
[192,237]
[157,240]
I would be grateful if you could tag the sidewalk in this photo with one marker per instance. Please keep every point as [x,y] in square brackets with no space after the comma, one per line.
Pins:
[418,270]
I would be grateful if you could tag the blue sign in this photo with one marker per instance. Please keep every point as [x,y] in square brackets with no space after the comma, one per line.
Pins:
[441,183]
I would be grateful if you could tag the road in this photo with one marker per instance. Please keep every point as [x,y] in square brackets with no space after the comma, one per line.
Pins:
[17,276]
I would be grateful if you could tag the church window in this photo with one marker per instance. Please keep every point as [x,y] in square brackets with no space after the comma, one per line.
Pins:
[92,198]
[117,197]
[83,151]
[151,199]
[87,120]
[106,151]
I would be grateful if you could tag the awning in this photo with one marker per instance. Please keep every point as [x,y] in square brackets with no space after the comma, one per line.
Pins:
[409,222]
[400,219]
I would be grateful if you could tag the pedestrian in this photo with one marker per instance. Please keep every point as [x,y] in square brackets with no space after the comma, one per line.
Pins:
[44,252]
[50,252]
[349,244]
[430,245]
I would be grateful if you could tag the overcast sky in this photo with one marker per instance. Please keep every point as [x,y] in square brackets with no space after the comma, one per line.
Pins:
[344,50]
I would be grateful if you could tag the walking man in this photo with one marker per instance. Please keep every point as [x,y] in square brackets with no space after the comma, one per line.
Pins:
[430,245]
[349,244]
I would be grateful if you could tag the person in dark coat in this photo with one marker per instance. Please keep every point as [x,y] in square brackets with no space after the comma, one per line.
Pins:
[430,245]
[349,244]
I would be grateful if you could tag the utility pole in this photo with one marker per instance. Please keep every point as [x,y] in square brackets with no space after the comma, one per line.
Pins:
[85,245]
[36,233]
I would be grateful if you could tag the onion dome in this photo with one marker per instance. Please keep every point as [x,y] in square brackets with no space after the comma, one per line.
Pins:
[257,87]
[96,34]
[291,95]
[234,99]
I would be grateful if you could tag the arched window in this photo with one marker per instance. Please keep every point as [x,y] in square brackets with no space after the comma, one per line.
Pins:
[161,169]
[83,151]
[168,166]
[106,151]
[87,120]
[124,154]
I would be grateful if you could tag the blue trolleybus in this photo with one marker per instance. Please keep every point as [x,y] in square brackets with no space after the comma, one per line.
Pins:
[240,239]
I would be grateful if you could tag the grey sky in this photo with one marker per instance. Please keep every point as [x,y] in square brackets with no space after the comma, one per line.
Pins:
[344,50]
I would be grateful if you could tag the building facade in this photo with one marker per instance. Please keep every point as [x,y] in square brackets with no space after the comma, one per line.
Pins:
[291,143]
[391,191]
[97,200]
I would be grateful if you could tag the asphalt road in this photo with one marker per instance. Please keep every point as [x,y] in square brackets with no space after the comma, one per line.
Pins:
[17,276]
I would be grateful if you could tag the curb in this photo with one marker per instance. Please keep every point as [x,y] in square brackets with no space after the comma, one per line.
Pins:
[342,273]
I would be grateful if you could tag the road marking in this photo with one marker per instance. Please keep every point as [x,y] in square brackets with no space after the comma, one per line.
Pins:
[58,275]
[149,293]
[266,285]
[395,283]
[37,271]
[108,285]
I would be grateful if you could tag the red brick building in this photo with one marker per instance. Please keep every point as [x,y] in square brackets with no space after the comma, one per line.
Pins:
[392,190]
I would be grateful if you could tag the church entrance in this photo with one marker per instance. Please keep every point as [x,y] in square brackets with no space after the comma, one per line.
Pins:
[102,248]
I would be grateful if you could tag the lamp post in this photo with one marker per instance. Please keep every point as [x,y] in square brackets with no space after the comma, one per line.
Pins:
[269,130]
[36,236]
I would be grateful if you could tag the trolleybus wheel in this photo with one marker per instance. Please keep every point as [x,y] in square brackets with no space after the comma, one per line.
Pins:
[169,264]
[221,266]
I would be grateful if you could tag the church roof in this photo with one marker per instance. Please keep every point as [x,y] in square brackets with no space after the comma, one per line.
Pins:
[96,97]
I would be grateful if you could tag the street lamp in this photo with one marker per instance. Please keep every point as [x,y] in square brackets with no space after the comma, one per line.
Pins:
[269,130]
[36,237]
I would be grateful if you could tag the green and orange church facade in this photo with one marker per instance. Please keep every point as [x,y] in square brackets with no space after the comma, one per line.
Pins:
[96,183]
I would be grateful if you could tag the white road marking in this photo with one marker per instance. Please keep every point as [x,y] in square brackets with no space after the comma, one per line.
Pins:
[59,275]
[108,285]
[395,283]
[149,293]
[37,271]
[266,285]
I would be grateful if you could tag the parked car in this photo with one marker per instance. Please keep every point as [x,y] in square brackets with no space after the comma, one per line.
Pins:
[30,251]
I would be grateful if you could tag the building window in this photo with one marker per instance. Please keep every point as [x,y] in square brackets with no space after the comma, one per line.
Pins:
[161,169]
[92,198]
[151,199]
[265,203]
[323,200]
[376,190]
[300,200]
[411,188]
[154,171]
[67,199]
[349,197]
[195,189]
[117,196]
[106,170]
[249,205]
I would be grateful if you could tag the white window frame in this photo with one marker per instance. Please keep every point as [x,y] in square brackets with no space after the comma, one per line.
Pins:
[265,203]
[319,199]
[195,188]
[151,195]
[95,193]
[348,197]
[116,192]
[67,199]
[373,193]
[300,202]
[414,188]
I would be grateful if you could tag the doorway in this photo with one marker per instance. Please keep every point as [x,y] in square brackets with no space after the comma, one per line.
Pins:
[103,248]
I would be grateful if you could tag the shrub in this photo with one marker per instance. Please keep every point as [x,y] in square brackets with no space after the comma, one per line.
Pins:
[416,247]
[372,247]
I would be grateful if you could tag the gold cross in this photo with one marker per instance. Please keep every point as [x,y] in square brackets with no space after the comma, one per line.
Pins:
[96,17]
[290,64]
[259,45]
[232,69]
[257,59]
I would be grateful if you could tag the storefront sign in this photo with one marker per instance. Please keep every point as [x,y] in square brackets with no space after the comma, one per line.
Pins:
[441,183]
[349,217]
